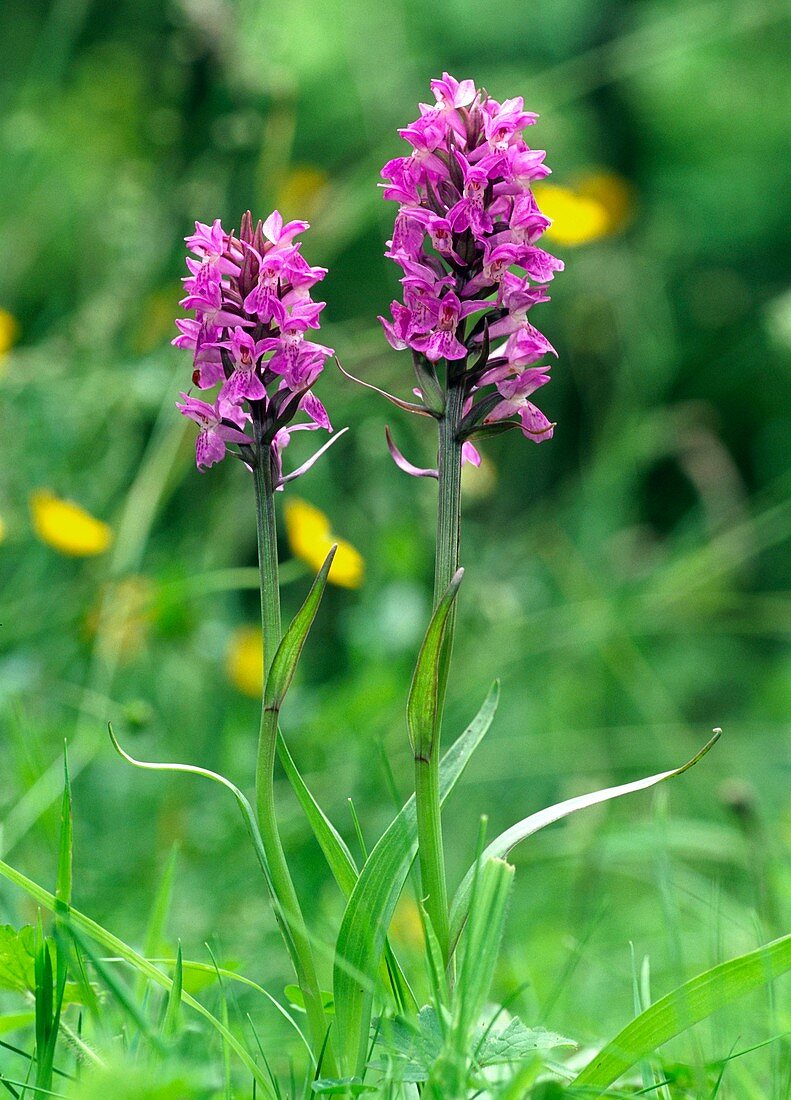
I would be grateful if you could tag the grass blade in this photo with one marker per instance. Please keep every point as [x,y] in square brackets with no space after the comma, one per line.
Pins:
[687,1005]
[171,1020]
[65,850]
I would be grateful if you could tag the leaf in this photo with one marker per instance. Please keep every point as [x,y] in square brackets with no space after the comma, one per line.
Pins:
[341,1086]
[428,383]
[192,769]
[370,908]
[415,1045]
[479,411]
[288,652]
[516,1042]
[118,947]
[66,845]
[508,840]
[687,1005]
[339,858]
[488,910]
[407,406]
[17,955]
[296,998]
[422,709]
[170,1023]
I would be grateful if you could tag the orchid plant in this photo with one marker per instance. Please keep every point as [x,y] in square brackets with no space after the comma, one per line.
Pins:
[465,238]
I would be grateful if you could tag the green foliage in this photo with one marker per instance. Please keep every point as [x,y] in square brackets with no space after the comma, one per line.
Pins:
[423,704]
[372,903]
[285,661]
[684,1007]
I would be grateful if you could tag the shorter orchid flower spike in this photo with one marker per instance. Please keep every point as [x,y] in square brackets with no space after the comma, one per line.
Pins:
[250,295]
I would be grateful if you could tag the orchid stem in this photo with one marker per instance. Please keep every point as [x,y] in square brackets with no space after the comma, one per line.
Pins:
[286,903]
[427,794]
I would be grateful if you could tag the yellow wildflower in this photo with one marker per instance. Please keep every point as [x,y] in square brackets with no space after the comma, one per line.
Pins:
[599,203]
[613,192]
[2,529]
[576,218]
[310,538]
[66,527]
[244,660]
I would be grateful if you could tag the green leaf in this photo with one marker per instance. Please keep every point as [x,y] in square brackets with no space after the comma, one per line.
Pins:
[508,840]
[427,381]
[66,845]
[339,859]
[515,1042]
[295,997]
[170,1023]
[414,1045]
[370,907]
[488,911]
[288,653]
[242,802]
[117,947]
[341,1086]
[687,1005]
[17,958]
[422,709]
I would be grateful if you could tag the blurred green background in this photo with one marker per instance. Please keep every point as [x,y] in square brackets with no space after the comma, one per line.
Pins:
[627,581]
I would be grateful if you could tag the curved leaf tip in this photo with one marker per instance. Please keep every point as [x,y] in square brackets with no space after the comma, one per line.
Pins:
[716,735]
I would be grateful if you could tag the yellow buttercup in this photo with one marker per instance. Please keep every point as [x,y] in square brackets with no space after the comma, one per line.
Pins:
[310,538]
[67,527]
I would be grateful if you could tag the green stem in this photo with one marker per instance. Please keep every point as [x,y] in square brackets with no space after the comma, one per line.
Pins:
[286,903]
[427,797]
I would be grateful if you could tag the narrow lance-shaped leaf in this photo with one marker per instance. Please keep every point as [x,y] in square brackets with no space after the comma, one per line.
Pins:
[508,840]
[407,406]
[65,848]
[687,1005]
[288,652]
[339,859]
[370,908]
[155,931]
[422,709]
[138,962]
[170,1022]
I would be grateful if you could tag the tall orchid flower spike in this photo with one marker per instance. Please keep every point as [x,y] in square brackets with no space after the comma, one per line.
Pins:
[251,298]
[465,237]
